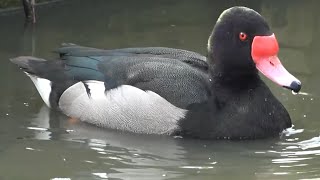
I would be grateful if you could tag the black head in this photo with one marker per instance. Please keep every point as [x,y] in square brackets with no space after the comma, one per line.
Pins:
[230,42]
[242,43]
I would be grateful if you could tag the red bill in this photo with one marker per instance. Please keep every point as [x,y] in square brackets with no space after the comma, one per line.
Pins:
[264,53]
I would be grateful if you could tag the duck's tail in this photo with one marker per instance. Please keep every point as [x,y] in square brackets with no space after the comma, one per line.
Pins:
[29,64]
[39,67]
[43,74]
[33,66]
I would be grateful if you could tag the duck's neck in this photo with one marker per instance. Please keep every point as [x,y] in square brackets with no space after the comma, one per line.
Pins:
[236,78]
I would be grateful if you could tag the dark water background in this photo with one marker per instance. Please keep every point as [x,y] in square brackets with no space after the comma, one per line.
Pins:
[36,143]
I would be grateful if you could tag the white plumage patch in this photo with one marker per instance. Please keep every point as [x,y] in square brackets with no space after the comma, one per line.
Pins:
[125,108]
[43,86]
[96,88]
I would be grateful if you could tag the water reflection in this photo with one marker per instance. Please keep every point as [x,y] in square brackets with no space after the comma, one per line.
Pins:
[153,155]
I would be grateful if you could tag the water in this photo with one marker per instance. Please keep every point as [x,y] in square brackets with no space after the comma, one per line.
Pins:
[36,143]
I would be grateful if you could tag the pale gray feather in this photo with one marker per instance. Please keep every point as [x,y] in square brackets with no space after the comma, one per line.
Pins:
[124,108]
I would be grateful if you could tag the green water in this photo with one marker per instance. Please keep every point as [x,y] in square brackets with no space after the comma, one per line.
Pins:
[36,143]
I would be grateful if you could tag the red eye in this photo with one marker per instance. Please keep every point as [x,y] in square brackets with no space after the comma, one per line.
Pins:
[243,36]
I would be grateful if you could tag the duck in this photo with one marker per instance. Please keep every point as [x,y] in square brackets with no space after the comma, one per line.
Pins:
[168,91]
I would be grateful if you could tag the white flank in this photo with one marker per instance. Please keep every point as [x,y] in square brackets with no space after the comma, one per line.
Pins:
[43,86]
[125,108]
[97,89]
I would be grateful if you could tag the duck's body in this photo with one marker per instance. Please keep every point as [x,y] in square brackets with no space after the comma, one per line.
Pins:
[159,90]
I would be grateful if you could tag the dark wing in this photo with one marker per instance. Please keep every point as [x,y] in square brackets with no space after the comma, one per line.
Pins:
[177,82]
[179,76]
[189,57]
[167,72]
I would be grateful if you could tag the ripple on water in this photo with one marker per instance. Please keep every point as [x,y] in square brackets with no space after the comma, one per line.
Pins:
[311,143]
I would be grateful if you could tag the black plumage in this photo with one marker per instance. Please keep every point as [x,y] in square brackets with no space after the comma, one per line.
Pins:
[222,93]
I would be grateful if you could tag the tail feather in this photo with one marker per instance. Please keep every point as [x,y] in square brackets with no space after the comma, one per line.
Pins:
[28,63]
[51,70]
[45,75]
[52,78]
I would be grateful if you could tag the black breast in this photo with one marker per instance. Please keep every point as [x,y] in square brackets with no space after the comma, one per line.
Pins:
[250,114]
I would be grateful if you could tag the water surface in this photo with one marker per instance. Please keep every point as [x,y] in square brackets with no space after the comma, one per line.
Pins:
[37,143]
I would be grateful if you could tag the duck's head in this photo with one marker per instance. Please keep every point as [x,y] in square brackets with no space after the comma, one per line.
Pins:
[242,43]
